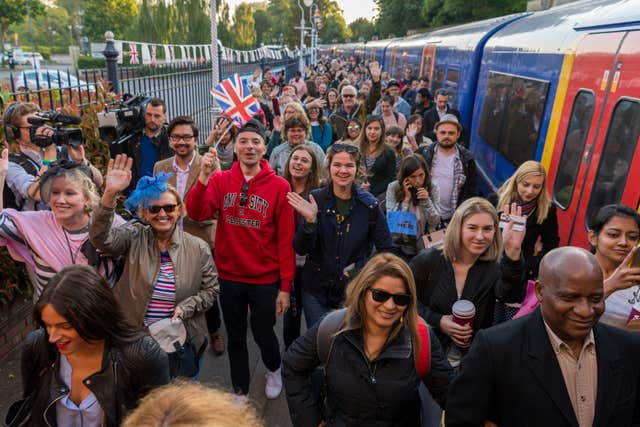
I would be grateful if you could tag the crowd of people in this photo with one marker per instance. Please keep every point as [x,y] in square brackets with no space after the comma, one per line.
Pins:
[351,202]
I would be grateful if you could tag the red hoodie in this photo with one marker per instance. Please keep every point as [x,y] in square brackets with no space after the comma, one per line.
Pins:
[254,244]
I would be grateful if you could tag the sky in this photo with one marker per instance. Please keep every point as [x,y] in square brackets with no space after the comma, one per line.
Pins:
[353,9]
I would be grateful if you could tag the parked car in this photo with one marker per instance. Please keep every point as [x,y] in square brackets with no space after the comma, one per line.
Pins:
[27,58]
[50,79]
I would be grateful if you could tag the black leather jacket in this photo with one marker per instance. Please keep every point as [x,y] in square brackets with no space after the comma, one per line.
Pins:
[127,374]
[380,393]
[134,149]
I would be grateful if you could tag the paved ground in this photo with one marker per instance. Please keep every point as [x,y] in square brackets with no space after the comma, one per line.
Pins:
[215,371]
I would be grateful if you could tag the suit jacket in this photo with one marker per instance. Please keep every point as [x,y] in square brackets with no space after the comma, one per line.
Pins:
[206,230]
[511,377]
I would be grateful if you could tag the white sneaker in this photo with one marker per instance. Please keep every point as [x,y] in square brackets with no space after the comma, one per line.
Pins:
[240,399]
[274,384]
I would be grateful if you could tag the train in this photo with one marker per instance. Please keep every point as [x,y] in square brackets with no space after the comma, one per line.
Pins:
[560,86]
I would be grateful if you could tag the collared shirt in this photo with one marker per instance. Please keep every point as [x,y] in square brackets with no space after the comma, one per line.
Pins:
[580,376]
[441,112]
[88,413]
[182,175]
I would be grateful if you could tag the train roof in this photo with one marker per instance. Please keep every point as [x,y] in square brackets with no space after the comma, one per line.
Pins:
[465,36]
[625,14]
[554,30]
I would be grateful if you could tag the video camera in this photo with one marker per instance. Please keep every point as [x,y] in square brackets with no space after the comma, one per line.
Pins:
[57,122]
[126,120]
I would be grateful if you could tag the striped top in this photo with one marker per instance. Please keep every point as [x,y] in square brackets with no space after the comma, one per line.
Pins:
[163,299]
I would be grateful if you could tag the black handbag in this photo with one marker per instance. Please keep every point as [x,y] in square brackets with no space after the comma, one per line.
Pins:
[19,413]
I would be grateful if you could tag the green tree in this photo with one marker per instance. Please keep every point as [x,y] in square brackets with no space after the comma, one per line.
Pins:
[362,27]
[15,12]
[243,31]
[262,27]
[396,17]
[108,15]
[224,22]
[439,12]
[48,29]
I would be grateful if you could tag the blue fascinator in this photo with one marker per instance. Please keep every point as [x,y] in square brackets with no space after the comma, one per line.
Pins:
[148,189]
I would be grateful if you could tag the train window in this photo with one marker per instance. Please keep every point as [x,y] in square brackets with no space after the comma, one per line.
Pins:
[451,84]
[617,153]
[511,115]
[438,79]
[574,140]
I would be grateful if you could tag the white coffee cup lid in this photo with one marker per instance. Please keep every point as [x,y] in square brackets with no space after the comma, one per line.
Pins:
[464,307]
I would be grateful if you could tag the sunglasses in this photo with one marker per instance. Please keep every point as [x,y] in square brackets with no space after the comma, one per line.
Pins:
[379,295]
[353,128]
[344,147]
[157,208]
[348,95]
[244,196]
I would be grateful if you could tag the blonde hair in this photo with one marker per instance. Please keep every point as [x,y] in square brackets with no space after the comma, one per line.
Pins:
[452,244]
[172,190]
[508,192]
[191,404]
[382,265]
[76,177]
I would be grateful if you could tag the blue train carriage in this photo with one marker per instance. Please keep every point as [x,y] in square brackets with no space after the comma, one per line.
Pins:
[404,53]
[520,89]
[375,50]
[457,53]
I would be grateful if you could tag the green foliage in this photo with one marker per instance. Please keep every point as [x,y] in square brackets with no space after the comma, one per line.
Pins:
[397,17]
[108,15]
[362,27]
[243,30]
[262,20]
[85,62]
[15,12]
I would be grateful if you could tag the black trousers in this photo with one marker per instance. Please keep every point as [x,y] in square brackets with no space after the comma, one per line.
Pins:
[235,299]
[291,320]
[213,318]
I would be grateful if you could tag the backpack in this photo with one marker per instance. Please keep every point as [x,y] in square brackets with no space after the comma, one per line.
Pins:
[332,322]
[31,167]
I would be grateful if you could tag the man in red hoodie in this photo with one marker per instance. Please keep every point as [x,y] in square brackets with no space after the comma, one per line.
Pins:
[254,250]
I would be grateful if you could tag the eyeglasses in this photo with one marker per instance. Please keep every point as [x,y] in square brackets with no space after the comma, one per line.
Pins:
[344,147]
[178,138]
[356,127]
[157,208]
[348,95]
[244,196]
[379,295]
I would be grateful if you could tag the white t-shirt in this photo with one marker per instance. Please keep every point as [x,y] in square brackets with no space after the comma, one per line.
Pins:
[442,175]
[623,309]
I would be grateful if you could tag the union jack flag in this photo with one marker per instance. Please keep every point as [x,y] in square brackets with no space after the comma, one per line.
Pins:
[134,54]
[235,99]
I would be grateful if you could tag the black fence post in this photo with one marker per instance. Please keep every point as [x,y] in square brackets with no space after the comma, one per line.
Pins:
[219,50]
[111,58]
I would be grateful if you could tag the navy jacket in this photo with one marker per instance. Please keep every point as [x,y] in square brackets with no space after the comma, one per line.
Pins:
[331,247]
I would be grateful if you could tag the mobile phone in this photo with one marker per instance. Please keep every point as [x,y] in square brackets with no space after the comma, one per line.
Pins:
[635,261]
[519,222]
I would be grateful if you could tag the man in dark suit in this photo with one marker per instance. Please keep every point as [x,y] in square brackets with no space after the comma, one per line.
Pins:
[557,366]
[436,112]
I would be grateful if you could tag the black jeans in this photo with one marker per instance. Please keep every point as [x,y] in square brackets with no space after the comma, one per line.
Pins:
[213,318]
[291,320]
[235,298]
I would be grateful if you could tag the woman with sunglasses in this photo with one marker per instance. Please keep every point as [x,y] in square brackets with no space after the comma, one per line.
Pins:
[169,273]
[342,223]
[375,355]
[321,132]
[303,175]
[86,365]
[49,240]
[352,135]
[378,159]
[470,266]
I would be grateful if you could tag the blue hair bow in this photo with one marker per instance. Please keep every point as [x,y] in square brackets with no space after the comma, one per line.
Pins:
[148,189]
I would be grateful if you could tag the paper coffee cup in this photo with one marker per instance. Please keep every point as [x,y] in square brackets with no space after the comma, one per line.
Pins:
[464,312]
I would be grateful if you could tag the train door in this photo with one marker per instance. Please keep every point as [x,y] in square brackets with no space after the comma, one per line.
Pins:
[392,62]
[583,168]
[426,63]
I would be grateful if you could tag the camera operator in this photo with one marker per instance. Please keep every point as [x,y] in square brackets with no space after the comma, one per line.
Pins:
[26,166]
[152,145]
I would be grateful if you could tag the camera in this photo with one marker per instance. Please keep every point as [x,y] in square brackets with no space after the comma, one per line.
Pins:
[60,124]
[126,120]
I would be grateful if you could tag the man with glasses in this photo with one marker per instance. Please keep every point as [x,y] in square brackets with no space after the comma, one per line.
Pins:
[184,168]
[351,108]
[254,251]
